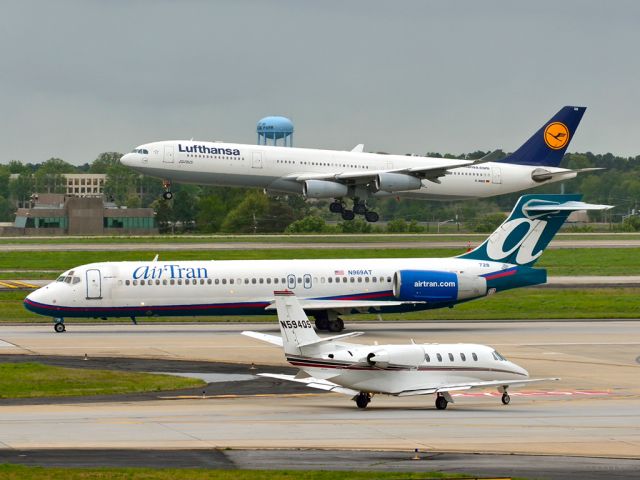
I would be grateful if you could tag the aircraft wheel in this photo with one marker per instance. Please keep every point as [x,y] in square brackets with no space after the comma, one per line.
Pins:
[371,217]
[362,400]
[441,403]
[322,322]
[359,208]
[167,195]
[348,215]
[336,207]
[59,327]
[506,399]
[336,325]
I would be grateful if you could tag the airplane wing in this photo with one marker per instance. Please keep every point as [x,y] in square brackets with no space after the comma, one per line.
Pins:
[490,157]
[432,172]
[273,339]
[346,304]
[358,148]
[312,382]
[501,384]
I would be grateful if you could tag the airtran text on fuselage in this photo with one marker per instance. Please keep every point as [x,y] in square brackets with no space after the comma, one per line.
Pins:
[169,271]
[210,150]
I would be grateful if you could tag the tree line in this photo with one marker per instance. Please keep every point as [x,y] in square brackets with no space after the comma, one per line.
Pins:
[208,209]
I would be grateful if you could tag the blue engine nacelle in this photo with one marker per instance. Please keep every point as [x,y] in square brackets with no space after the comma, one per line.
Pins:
[433,286]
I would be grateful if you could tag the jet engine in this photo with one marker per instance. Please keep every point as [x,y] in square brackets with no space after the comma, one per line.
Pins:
[406,355]
[434,286]
[396,182]
[323,189]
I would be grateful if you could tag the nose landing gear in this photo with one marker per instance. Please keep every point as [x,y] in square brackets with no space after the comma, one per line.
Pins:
[167,195]
[58,325]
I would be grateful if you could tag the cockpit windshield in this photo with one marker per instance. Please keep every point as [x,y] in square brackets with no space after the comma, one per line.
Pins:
[68,278]
[498,357]
[142,151]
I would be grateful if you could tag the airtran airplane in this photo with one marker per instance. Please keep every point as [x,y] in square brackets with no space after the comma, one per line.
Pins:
[357,175]
[325,288]
[362,371]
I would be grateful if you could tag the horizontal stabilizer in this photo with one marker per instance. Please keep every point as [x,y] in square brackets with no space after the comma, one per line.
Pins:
[571,206]
[264,337]
[312,382]
[331,339]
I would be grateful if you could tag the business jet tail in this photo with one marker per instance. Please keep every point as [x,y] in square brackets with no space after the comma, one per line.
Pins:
[547,146]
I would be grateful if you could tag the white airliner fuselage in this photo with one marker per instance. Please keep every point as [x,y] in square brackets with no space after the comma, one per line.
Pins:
[334,174]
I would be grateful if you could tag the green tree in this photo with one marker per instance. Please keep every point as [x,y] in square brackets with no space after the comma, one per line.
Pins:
[6,210]
[244,218]
[49,176]
[310,224]
[212,211]
[22,188]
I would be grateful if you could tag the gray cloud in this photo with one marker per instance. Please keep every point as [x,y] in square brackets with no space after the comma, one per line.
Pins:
[82,77]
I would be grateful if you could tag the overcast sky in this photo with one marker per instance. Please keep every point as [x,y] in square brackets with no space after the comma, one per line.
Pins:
[83,77]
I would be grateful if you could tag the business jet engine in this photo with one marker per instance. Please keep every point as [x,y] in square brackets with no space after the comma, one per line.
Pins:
[396,182]
[407,355]
[323,189]
[434,286]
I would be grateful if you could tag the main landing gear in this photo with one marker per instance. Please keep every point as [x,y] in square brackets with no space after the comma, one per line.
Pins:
[58,325]
[167,195]
[327,320]
[362,399]
[359,208]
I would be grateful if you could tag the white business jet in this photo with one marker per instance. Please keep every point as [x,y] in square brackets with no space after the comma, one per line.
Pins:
[326,288]
[359,175]
[362,371]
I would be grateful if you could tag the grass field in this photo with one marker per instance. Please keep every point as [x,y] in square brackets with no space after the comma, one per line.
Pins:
[16,472]
[583,261]
[29,380]
[446,236]
[525,303]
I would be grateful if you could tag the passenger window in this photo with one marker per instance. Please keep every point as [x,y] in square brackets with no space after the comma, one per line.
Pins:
[262,280]
[142,283]
[127,282]
[464,359]
[179,281]
[157,282]
[344,279]
[202,281]
[439,357]
[135,282]
[275,281]
[359,279]
[172,281]
[224,281]
[366,279]
[427,357]
[374,279]
[475,357]
[268,281]
[253,281]
[209,281]
[164,282]
[330,279]
[353,280]
[451,357]
[388,279]
[246,281]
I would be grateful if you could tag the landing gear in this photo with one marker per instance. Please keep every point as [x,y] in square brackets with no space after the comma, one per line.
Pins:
[328,320]
[336,207]
[348,215]
[359,207]
[441,402]
[58,326]
[371,216]
[362,399]
[506,398]
[167,195]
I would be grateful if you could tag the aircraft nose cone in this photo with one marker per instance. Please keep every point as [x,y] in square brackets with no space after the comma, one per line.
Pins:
[127,159]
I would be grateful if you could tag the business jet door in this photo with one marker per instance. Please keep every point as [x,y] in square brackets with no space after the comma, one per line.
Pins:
[94,284]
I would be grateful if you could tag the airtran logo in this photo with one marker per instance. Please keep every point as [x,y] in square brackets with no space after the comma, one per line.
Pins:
[210,150]
[169,271]
[556,135]
[529,232]
[427,284]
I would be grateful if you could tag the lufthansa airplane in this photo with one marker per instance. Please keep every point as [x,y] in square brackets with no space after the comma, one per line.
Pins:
[362,371]
[358,175]
[325,288]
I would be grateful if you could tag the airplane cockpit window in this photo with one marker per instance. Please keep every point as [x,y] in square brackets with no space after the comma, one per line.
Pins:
[75,280]
[499,357]
[142,151]
[60,278]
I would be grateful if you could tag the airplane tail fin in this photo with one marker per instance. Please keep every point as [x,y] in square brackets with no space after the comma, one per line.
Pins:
[547,146]
[533,222]
[295,326]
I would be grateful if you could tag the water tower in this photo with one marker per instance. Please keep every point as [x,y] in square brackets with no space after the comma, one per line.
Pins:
[275,128]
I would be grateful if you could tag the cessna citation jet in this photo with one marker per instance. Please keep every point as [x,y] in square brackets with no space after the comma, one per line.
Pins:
[358,175]
[362,371]
[325,288]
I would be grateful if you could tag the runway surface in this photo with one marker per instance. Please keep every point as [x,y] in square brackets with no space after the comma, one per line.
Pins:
[592,412]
